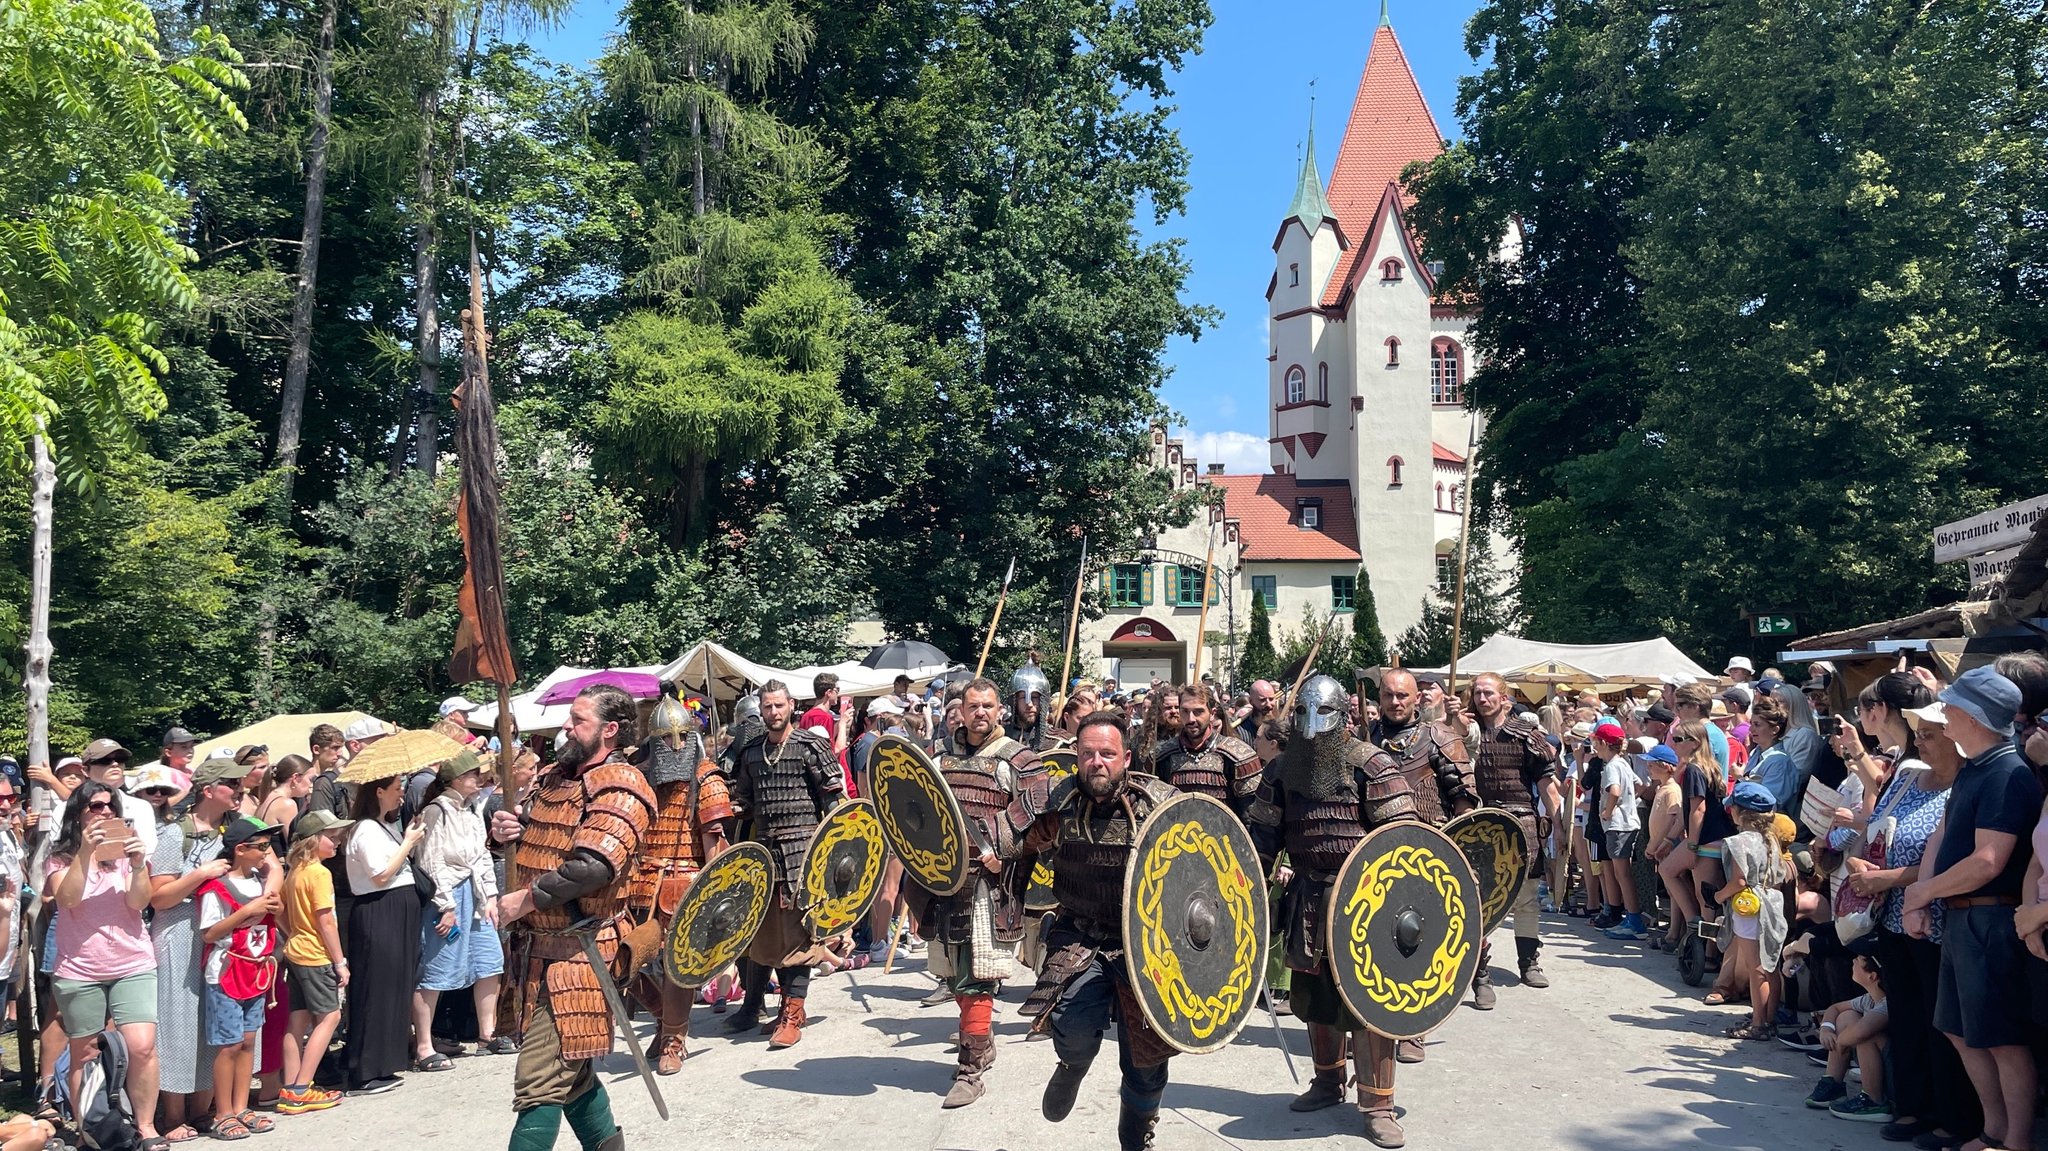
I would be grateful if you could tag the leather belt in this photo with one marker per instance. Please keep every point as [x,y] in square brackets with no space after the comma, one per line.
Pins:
[1959,902]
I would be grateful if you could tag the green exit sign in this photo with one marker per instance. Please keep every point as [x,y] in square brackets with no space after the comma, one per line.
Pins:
[1772,624]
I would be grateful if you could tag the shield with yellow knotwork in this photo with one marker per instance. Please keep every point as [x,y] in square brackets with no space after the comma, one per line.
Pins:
[1038,896]
[1195,923]
[842,868]
[1404,929]
[920,816]
[717,919]
[1491,841]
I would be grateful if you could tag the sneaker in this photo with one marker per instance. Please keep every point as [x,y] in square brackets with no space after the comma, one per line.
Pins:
[296,1102]
[377,1086]
[1826,1093]
[1801,1041]
[1630,927]
[1605,919]
[1861,1109]
[1817,1058]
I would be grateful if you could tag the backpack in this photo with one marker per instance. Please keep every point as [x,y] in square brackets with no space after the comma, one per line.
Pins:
[250,968]
[107,1119]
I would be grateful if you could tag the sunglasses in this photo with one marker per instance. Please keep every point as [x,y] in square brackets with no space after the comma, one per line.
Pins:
[109,760]
[1684,739]
[98,806]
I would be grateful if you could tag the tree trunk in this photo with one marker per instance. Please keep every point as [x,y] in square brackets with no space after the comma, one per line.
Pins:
[36,674]
[696,139]
[292,403]
[426,270]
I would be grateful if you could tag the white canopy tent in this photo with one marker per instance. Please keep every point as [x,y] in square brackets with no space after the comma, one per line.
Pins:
[1645,661]
[731,675]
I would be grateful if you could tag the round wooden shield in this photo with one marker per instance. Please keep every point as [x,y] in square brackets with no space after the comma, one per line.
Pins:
[1038,896]
[718,918]
[921,819]
[1492,842]
[1195,923]
[1404,921]
[842,868]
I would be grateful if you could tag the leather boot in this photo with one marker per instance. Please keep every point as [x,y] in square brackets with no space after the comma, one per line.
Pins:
[1482,988]
[1376,1057]
[747,1016]
[977,1054]
[1326,1048]
[667,1052]
[1061,1089]
[943,993]
[1382,1129]
[1409,1051]
[1527,950]
[1134,1129]
[789,1026]
[616,1141]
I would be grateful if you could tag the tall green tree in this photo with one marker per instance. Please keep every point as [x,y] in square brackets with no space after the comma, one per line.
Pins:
[1258,660]
[1368,646]
[1490,609]
[93,117]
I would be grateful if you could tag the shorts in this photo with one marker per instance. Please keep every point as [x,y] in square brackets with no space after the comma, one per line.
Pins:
[1596,845]
[1708,851]
[1745,926]
[230,1020]
[315,989]
[1982,993]
[85,1004]
[1621,845]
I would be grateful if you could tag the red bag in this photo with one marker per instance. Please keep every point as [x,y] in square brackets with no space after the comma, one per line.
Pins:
[250,968]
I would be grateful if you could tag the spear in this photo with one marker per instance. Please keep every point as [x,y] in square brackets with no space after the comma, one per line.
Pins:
[1464,548]
[995,619]
[1202,623]
[1059,695]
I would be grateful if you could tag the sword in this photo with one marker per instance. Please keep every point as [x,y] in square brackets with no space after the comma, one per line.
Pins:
[620,1016]
[1266,997]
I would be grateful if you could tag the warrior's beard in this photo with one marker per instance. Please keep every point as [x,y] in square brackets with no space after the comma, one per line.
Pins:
[575,753]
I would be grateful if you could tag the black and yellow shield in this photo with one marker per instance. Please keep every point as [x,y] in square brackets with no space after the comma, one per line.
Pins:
[1059,764]
[1492,842]
[921,819]
[718,918]
[1195,923]
[842,868]
[1403,921]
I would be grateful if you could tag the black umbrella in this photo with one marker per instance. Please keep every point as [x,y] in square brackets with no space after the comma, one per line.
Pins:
[903,655]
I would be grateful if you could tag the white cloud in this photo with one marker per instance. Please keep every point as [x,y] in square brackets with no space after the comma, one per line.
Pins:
[1238,452]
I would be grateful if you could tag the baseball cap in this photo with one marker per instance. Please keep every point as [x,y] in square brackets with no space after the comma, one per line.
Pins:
[455,703]
[1985,696]
[1662,753]
[1934,714]
[103,749]
[155,777]
[1738,696]
[365,728]
[458,766]
[247,829]
[316,821]
[218,769]
[177,736]
[1658,713]
[1740,661]
[1609,733]
[1749,795]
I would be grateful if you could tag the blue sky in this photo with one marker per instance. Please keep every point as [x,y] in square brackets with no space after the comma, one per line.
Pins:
[1243,112]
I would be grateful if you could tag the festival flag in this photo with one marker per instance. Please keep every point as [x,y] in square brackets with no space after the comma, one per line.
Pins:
[483,649]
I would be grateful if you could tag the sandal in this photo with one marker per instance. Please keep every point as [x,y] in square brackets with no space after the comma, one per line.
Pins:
[257,1124]
[1715,999]
[434,1062]
[173,1136]
[154,1143]
[1747,1032]
[230,1128]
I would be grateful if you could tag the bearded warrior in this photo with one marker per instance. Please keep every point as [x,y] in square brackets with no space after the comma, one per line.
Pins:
[576,845]
[691,811]
[1089,823]
[1316,802]
[1512,760]
[784,783]
[1205,758]
[974,933]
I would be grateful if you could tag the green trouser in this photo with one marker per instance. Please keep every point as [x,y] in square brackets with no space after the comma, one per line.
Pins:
[548,1089]
[1279,977]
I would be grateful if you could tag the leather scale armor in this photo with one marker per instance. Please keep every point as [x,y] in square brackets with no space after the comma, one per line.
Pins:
[1225,769]
[986,784]
[673,854]
[1506,765]
[1093,850]
[606,812]
[785,793]
[1438,769]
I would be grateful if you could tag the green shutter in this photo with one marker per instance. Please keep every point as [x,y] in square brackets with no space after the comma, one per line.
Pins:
[1145,586]
[1171,575]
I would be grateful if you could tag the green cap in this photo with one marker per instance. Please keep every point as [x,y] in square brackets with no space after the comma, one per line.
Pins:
[317,822]
[459,766]
[218,769]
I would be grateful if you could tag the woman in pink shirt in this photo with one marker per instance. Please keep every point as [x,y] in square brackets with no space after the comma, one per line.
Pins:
[106,965]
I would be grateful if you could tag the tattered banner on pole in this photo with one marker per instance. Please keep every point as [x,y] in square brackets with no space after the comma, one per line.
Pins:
[483,649]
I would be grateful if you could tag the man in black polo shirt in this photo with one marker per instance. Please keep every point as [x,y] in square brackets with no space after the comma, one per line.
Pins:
[1975,870]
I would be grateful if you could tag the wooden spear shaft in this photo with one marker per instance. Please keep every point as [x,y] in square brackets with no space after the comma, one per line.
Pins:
[1059,694]
[990,640]
[1202,623]
[1464,549]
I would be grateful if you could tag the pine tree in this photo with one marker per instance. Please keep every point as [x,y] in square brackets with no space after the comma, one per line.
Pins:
[1490,609]
[1368,642]
[1258,660]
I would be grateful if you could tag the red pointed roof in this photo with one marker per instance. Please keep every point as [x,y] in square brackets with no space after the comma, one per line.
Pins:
[1444,455]
[1268,523]
[1390,128]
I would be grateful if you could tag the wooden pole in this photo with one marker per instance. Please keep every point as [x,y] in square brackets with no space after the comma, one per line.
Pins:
[1202,623]
[1059,695]
[1464,550]
[990,640]
[36,687]
[1308,666]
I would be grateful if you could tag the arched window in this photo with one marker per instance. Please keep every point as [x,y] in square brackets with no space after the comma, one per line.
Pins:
[1393,471]
[1393,352]
[1297,385]
[1457,497]
[1323,382]
[1446,372]
[1390,270]
[1294,275]
[1439,497]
